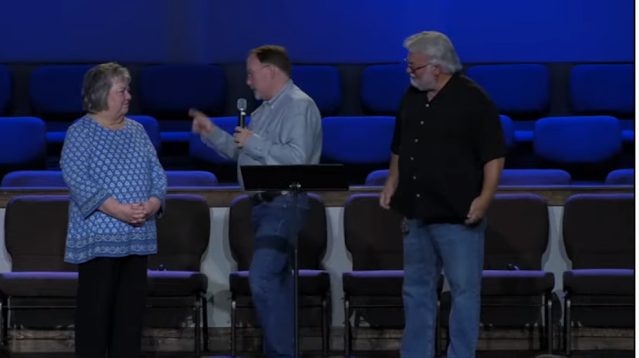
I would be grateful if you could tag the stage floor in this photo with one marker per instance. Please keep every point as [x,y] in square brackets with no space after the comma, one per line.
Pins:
[481,354]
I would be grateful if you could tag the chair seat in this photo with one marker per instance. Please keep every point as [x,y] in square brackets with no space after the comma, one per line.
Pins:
[176,283]
[39,284]
[65,284]
[516,282]
[612,282]
[311,283]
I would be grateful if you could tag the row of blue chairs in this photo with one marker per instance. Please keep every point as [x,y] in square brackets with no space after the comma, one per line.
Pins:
[518,89]
[529,177]
[194,178]
[358,140]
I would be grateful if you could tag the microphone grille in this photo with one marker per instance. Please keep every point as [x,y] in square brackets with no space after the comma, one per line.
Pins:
[241,104]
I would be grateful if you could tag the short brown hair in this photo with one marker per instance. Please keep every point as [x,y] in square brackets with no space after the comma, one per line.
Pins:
[274,55]
[97,84]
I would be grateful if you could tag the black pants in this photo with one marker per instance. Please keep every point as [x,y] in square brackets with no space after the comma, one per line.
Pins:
[111,302]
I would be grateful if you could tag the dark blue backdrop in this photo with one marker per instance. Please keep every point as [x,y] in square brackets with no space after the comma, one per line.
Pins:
[328,31]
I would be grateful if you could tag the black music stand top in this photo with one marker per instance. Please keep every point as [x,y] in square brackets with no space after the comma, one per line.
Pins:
[319,177]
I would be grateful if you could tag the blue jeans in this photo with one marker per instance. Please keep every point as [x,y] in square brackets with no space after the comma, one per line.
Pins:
[459,250]
[270,275]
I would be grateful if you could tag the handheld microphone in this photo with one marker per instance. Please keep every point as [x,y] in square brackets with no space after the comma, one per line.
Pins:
[241,118]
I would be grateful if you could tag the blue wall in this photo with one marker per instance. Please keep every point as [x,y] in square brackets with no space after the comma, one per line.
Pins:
[326,31]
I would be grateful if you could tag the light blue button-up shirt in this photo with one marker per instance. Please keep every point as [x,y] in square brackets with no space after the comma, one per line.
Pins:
[287,130]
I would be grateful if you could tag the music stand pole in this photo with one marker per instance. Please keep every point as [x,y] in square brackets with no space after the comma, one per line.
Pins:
[292,178]
[295,189]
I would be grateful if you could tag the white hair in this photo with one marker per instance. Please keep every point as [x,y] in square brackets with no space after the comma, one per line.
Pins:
[437,47]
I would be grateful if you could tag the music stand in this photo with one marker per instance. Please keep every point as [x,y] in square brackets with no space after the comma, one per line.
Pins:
[295,179]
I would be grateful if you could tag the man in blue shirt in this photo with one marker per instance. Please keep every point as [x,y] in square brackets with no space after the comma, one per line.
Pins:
[286,129]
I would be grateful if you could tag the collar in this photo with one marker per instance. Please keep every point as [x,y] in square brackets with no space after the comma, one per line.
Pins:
[287,87]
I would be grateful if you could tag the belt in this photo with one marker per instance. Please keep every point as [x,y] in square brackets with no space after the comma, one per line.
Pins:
[266,196]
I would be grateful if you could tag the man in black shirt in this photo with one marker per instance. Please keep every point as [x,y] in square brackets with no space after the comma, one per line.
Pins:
[448,152]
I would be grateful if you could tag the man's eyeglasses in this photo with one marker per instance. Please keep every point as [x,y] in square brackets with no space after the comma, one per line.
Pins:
[414,69]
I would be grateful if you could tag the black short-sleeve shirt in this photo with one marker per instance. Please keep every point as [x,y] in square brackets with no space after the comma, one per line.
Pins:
[443,145]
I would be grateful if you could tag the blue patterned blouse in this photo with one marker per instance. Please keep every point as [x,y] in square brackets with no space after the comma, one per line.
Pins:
[98,163]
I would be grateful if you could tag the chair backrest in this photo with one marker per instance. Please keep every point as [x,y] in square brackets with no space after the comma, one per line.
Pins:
[382,88]
[183,234]
[358,139]
[508,127]
[34,179]
[56,91]
[377,178]
[35,233]
[152,128]
[508,177]
[588,147]
[312,238]
[6,80]
[190,178]
[603,89]
[535,177]
[373,235]
[621,177]
[323,84]
[23,141]
[517,232]
[599,230]
[516,89]
[201,86]
[577,140]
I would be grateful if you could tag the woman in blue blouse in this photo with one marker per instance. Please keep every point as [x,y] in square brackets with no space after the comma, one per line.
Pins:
[117,188]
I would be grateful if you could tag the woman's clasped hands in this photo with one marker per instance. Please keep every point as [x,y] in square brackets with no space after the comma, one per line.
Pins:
[138,213]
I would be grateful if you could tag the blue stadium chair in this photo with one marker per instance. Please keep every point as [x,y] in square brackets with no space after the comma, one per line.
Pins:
[520,91]
[383,87]
[357,140]
[54,179]
[22,142]
[587,147]
[521,177]
[34,179]
[508,127]
[376,178]
[323,84]
[621,177]
[200,151]
[525,177]
[5,89]
[190,178]
[516,89]
[56,96]
[605,90]
[167,92]
[587,139]
[152,128]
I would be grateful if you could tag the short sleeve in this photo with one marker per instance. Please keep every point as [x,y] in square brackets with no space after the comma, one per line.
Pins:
[492,142]
[397,132]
